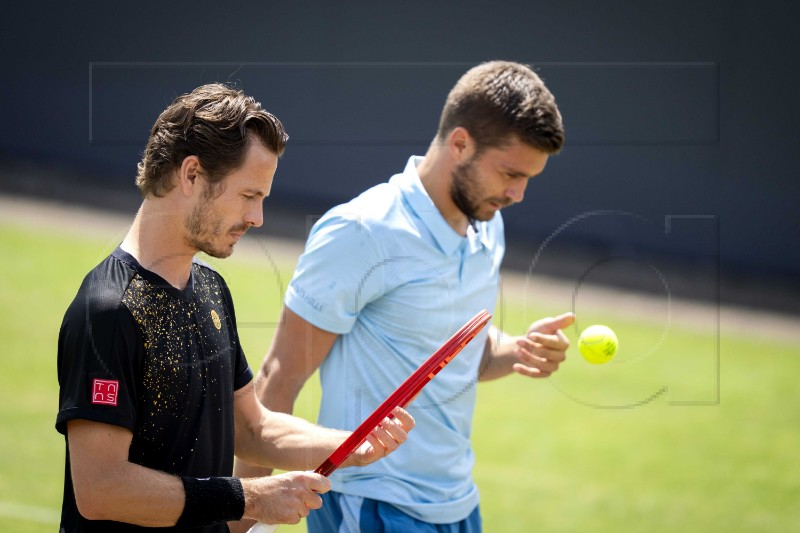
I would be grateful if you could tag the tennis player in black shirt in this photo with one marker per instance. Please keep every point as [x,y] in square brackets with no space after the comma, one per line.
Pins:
[156,395]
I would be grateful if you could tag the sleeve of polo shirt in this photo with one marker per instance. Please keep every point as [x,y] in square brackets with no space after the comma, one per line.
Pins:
[337,275]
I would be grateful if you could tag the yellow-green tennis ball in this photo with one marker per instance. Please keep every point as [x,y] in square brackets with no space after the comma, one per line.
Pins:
[598,344]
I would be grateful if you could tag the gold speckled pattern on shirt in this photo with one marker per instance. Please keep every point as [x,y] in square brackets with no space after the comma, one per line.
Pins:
[188,351]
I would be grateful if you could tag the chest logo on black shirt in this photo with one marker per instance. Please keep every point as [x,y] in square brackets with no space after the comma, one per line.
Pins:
[215,319]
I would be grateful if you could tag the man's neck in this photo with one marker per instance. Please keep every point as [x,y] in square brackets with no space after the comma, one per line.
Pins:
[436,174]
[156,240]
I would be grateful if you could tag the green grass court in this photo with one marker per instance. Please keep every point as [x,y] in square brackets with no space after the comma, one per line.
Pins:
[553,456]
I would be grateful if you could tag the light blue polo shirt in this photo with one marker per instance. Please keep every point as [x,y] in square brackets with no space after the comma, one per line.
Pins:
[388,274]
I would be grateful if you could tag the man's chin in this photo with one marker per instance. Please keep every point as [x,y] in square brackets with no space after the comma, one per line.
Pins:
[218,253]
[485,216]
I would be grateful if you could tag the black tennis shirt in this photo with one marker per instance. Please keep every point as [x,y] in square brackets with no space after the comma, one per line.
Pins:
[135,352]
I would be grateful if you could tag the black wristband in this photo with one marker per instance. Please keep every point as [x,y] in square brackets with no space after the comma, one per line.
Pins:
[210,501]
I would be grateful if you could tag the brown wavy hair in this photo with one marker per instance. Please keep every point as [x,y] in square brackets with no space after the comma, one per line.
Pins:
[214,123]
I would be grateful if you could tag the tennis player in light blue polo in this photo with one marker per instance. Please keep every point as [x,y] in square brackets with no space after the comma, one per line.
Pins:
[403,283]
[388,277]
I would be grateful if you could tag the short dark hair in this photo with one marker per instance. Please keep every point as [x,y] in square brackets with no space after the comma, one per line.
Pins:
[213,122]
[500,99]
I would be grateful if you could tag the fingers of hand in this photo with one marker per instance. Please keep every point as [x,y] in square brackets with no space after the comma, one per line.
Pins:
[386,442]
[393,430]
[369,451]
[306,492]
[314,503]
[531,372]
[540,354]
[405,419]
[552,324]
[386,437]
[317,483]
[391,434]
[289,497]
[556,341]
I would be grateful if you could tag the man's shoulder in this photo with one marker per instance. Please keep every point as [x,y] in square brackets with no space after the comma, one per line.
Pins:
[100,294]
[374,200]
[106,282]
[376,208]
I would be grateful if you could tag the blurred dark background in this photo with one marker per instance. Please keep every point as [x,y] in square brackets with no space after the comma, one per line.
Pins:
[680,171]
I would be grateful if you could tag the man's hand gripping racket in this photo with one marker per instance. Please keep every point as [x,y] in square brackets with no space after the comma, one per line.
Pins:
[401,397]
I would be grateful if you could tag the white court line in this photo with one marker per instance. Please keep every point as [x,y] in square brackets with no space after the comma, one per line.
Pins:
[29,513]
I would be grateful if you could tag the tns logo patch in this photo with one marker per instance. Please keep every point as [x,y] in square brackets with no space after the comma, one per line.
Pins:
[105,391]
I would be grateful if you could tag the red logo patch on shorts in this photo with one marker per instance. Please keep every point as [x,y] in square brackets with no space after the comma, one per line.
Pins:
[105,391]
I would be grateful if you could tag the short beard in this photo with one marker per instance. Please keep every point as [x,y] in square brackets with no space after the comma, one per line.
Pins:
[461,187]
[202,225]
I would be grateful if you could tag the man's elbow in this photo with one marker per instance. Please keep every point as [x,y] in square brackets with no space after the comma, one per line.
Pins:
[89,507]
[277,387]
[92,501]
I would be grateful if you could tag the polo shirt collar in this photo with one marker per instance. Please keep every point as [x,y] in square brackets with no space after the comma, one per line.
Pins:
[417,197]
[478,239]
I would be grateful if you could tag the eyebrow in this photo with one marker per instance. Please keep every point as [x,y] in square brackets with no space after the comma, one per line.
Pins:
[256,192]
[514,172]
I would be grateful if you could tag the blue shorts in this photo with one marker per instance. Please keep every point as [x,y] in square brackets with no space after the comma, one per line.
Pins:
[341,513]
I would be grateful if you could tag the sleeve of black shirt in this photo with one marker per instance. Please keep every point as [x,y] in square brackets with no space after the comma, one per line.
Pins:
[99,353]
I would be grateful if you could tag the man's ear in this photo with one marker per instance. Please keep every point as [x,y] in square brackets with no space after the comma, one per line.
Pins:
[189,175]
[460,144]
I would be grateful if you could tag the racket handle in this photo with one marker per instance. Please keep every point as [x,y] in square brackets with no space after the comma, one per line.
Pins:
[263,528]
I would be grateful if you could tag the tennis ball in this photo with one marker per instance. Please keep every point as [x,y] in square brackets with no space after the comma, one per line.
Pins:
[598,344]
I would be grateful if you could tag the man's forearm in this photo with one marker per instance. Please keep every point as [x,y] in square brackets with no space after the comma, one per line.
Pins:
[287,434]
[498,355]
[287,442]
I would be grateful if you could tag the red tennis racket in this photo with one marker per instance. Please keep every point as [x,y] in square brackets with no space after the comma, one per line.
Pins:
[406,392]
[401,397]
